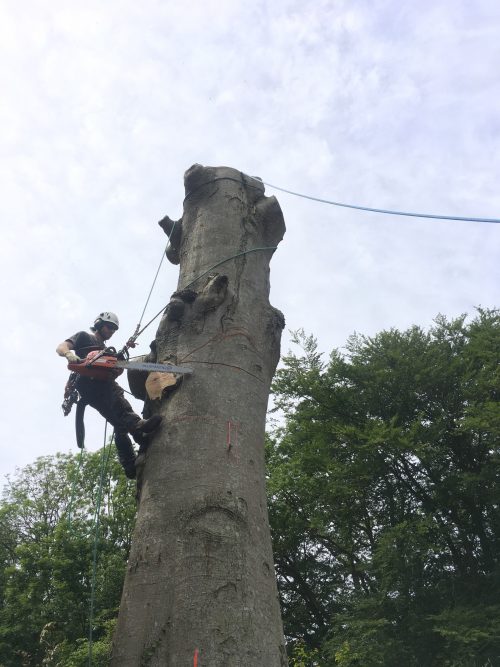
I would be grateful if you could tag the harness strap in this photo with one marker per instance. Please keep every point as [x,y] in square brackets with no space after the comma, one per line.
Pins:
[70,394]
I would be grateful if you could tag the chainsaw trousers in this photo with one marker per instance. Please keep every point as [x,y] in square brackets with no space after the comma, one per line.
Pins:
[108,399]
[125,449]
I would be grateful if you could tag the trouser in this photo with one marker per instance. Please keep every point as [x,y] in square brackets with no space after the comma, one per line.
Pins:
[107,397]
[125,449]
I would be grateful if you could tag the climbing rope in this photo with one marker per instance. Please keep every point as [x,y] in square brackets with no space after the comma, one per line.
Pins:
[240,254]
[138,330]
[228,259]
[106,450]
[154,283]
[73,486]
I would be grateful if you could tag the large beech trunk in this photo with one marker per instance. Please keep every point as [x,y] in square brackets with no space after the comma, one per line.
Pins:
[200,587]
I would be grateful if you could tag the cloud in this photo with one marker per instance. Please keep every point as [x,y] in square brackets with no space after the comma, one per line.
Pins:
[104,106]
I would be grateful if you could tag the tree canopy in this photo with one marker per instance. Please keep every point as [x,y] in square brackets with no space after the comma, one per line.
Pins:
[384,497]
[384,487]
[49,540]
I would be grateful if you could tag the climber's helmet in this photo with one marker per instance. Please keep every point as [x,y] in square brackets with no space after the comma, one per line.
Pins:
[106,317]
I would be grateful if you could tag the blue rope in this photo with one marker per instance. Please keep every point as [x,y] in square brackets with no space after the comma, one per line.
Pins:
[387,212]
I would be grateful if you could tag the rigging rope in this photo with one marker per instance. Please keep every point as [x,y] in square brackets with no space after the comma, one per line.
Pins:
[245,181]
[385,211]
[260,182]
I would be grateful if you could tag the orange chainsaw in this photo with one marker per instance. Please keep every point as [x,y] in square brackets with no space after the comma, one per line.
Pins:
[106,365]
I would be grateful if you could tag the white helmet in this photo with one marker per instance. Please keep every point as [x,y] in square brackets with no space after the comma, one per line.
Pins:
[106,316]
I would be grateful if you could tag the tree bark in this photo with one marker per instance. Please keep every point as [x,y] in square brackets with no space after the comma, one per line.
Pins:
[200,587]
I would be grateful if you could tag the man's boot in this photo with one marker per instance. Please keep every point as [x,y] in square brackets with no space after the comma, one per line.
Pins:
[147,425]
[144,428]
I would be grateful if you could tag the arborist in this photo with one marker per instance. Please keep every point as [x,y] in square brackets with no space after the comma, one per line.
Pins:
[106,395]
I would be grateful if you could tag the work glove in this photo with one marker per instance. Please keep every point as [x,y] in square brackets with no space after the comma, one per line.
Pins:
[72,357]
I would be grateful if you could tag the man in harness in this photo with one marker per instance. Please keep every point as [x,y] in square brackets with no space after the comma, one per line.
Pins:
[106,396]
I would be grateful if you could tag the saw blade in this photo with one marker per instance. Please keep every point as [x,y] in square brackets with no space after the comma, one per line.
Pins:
[147,366]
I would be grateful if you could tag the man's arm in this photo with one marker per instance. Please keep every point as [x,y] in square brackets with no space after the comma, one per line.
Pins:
[65,349]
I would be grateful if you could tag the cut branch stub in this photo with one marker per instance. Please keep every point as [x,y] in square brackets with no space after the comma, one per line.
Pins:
[173,229]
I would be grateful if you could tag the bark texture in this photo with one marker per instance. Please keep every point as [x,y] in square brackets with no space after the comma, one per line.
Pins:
[200,586]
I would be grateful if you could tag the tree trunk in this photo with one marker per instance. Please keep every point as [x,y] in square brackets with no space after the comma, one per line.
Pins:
[200,586]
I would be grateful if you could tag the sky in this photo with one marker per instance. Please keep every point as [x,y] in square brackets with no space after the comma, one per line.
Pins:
[103,106]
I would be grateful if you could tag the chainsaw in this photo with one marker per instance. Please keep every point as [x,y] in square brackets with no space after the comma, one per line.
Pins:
[108,364]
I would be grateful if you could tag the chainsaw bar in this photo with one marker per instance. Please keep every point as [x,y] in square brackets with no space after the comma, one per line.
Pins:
[146,366]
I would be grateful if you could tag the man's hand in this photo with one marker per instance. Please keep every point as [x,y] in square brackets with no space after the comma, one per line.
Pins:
[72,357]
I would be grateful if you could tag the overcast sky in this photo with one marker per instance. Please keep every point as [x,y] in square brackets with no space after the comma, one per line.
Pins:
[103,106]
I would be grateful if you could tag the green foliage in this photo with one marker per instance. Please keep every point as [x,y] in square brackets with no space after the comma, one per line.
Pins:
[47,516]
[62,653]
[384,487]
[383,483]
[301,656]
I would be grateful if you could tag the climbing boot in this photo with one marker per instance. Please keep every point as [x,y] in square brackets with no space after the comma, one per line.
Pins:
[129,469]
[147,425]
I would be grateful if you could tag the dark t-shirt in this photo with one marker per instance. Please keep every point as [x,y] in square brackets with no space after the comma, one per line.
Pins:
[84,342]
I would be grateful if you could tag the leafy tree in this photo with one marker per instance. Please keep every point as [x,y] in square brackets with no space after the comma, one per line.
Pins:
[384,484]
[384,487]
[49,538]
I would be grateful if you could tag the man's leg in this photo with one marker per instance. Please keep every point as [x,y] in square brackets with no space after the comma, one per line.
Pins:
[108,399]
[128,420]
[126,453]
[105,398]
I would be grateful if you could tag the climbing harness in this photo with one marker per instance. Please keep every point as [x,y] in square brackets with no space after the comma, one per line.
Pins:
[70,394]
